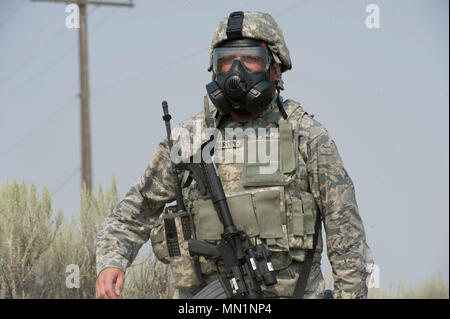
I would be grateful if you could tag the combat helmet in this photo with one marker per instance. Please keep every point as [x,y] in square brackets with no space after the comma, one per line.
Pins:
[257,26]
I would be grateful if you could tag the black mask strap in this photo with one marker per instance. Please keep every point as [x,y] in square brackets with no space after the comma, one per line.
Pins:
[280,105]
[234,28]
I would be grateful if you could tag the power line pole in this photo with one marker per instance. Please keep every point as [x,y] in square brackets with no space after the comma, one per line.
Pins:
[86,157]
[86,164]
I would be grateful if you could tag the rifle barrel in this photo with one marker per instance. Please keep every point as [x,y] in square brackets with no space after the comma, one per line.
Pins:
[177,186]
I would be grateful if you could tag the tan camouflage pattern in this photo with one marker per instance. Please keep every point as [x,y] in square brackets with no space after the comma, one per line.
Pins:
[320,174]
[334,192]
[128,226]
[258,26]
[183,266]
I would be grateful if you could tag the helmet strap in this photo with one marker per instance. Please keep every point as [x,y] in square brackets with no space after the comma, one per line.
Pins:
[280,83]
[280,87]
[280,105]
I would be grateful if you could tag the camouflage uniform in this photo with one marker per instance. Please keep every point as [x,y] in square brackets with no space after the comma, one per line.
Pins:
[310,180]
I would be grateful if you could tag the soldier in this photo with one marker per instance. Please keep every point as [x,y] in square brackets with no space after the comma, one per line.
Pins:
[247,58]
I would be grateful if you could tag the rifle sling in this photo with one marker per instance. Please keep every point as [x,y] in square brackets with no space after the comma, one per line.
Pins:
[305,267]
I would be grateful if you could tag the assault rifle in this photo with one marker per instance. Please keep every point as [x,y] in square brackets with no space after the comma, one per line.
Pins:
[247,266]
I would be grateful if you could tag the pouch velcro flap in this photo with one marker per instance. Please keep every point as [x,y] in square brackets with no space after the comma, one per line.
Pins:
[287,147]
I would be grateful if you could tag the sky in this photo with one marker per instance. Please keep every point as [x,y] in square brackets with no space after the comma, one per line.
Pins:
[382,93]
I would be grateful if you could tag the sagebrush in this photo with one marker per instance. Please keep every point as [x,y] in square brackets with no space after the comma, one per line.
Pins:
[36,247]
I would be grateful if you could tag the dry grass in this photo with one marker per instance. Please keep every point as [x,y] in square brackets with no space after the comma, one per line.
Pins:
[26,232]
[148,278]
[36,247]
[433,288]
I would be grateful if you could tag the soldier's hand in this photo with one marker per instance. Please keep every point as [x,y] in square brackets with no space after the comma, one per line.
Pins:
[104,286]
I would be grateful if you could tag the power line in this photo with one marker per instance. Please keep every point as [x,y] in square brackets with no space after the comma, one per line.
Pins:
[91,11]
[60,57]
[45,46]
[141,74]
[13,12]
[35,76]
[43,124]
[86,163]
[181,59]
[291,8]
[66,180]
[59,110]
[98,26]
[27,61]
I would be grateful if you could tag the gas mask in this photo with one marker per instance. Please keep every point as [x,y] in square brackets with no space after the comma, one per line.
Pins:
[242,78]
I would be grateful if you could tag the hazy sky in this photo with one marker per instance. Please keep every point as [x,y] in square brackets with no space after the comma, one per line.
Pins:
[381,93]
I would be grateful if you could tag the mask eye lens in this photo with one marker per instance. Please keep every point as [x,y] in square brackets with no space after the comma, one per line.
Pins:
[224,64]
[255,59]
[254,63]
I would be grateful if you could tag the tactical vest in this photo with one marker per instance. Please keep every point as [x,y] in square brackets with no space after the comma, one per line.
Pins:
[275,208]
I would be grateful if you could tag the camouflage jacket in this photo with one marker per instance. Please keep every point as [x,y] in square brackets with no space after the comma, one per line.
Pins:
[128,226]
